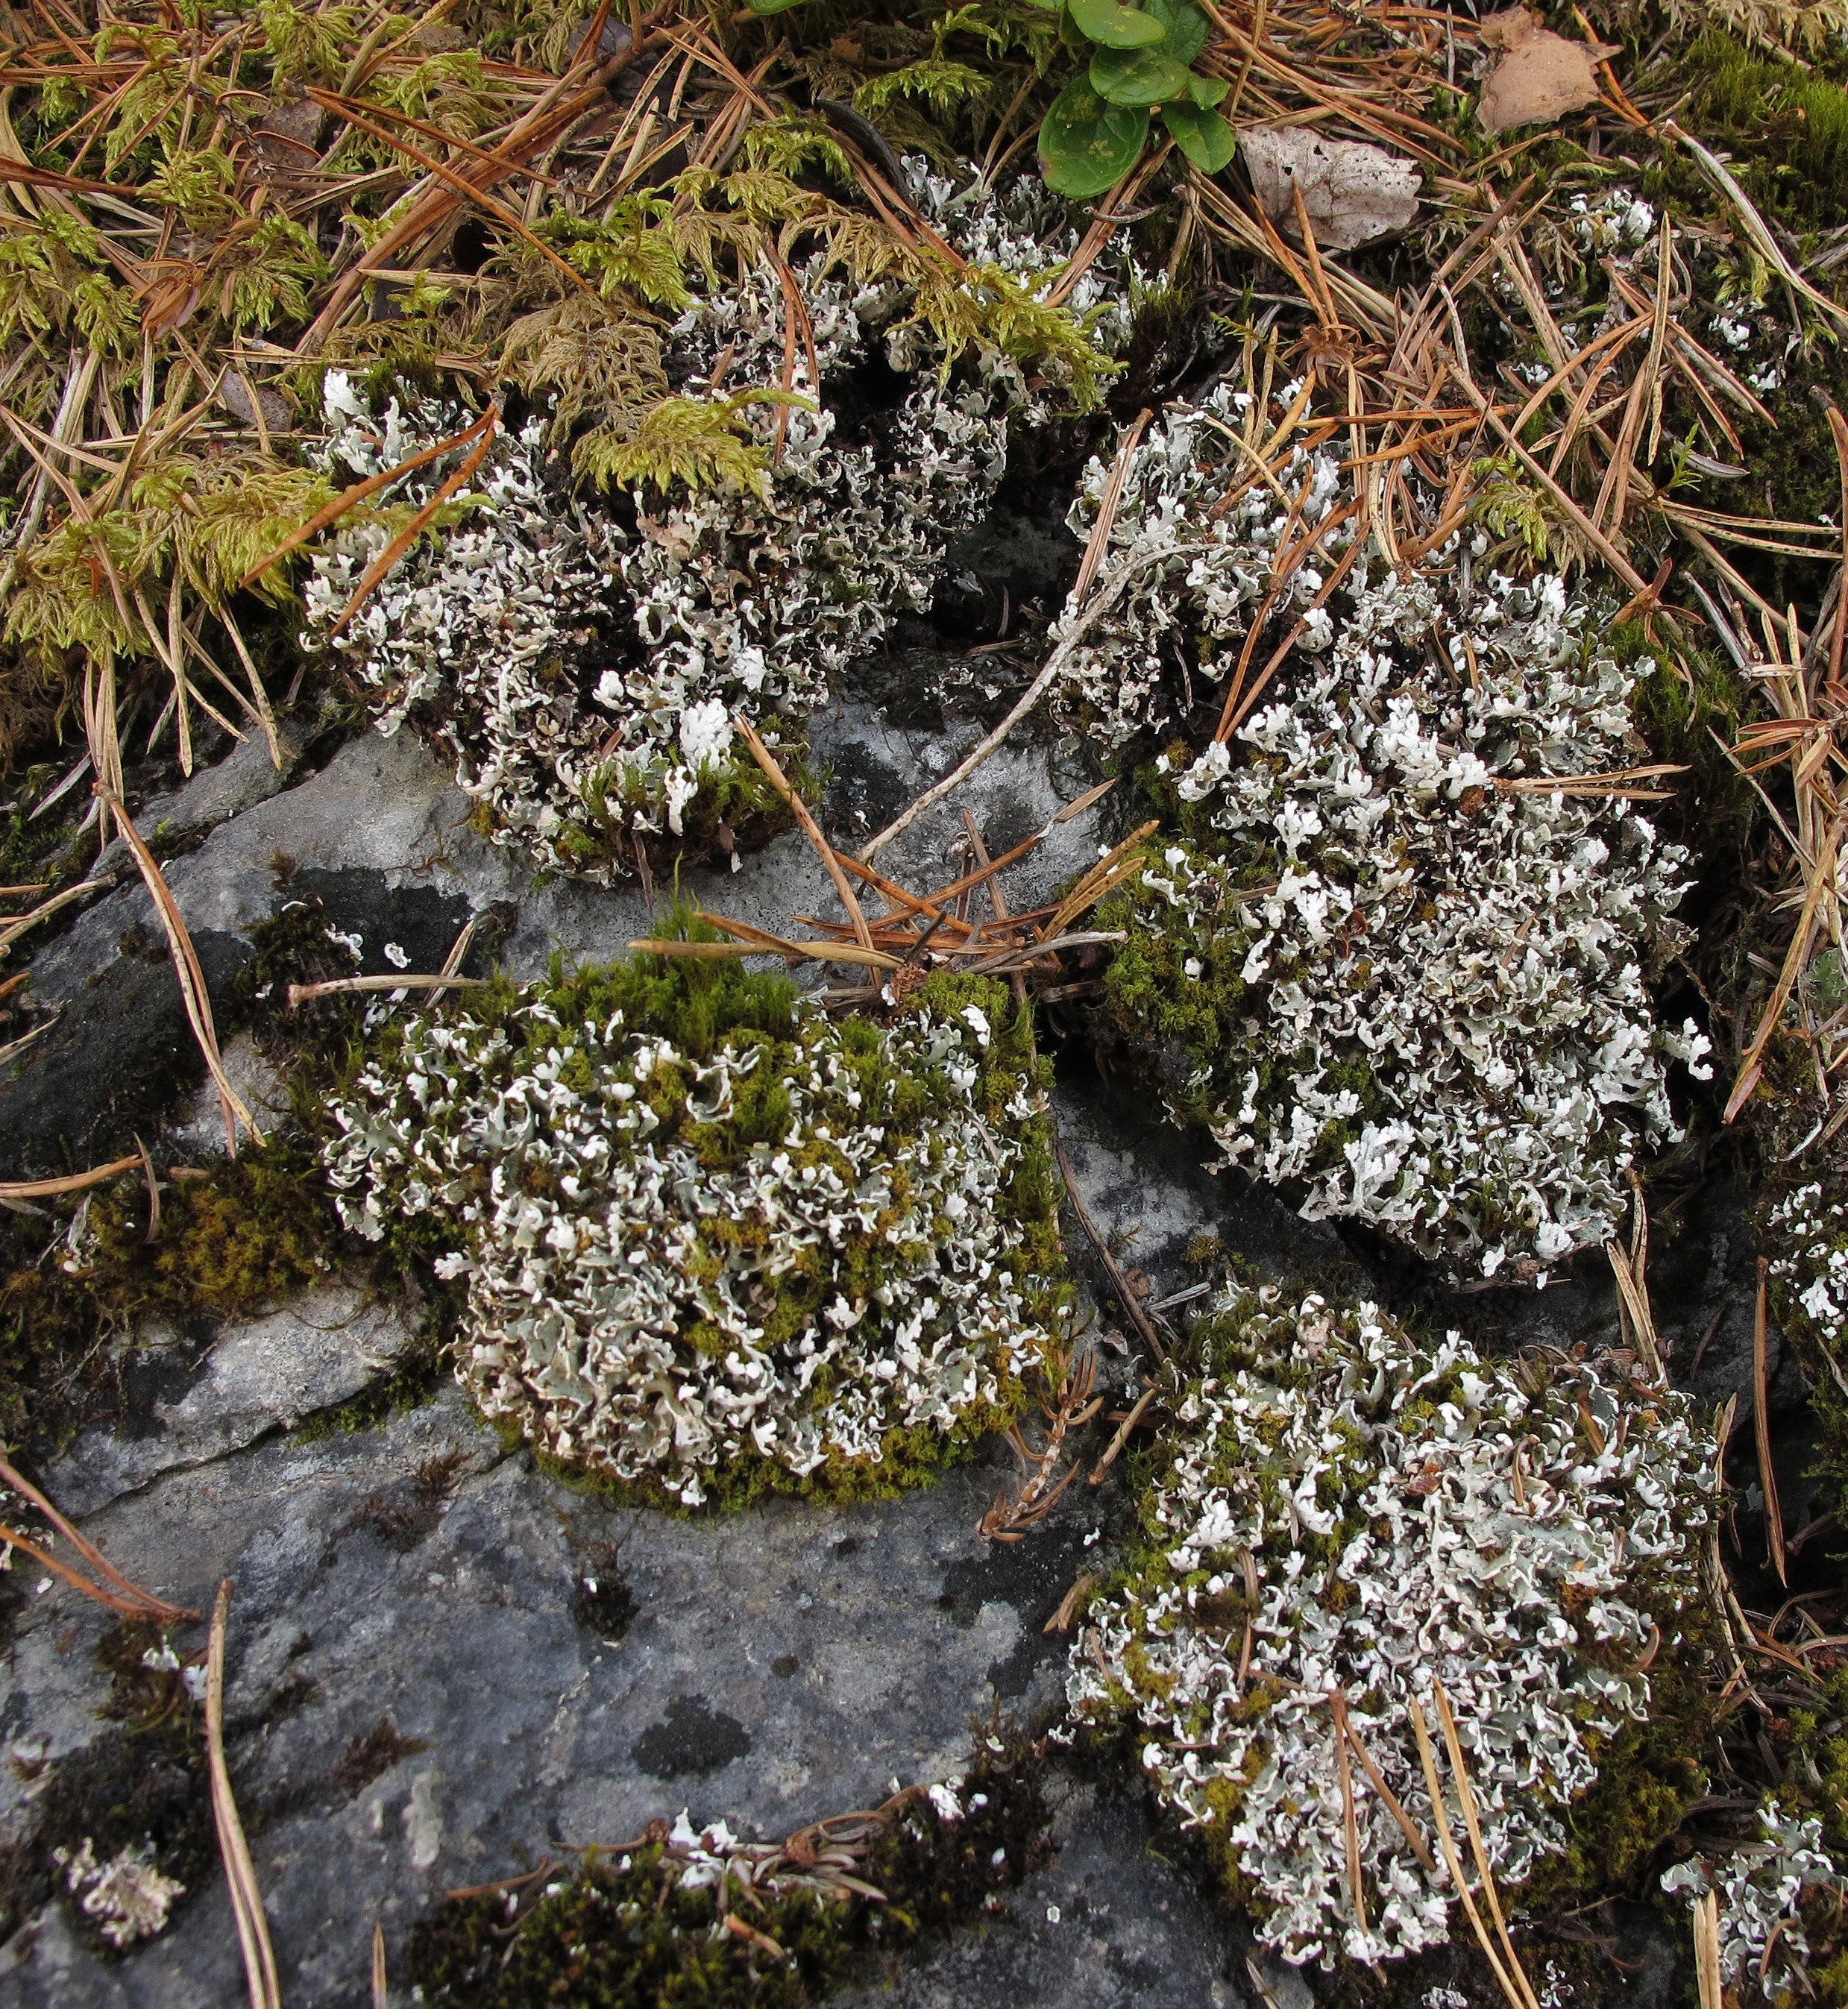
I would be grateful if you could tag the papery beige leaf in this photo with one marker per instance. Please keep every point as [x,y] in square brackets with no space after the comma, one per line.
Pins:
[1354,192]
[1539,76]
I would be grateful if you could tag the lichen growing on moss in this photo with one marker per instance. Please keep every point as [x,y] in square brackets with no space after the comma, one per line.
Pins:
[1764,1952]
[707,1230]
[687,1916]
[1388,961]
[580,664]
[1349,1511]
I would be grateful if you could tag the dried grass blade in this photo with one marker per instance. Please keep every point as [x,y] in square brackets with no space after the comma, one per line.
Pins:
[351,498]
[1132,1308]
[187,967]
[69,1182]
[1707,1961]
[447,980]
[240,1874]
[1466,1800]
[1427,1759]
[1756,227]
[420,522]
[1350,1824]
[381,1987]
[14,929]
[1635,1298]
[1774,1513]
[810,829]
[1821,874]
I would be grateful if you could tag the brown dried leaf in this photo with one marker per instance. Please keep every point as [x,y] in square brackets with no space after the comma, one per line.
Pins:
[1539,76]
[1354,192]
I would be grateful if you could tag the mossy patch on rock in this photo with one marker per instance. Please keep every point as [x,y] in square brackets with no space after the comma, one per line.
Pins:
[1348,1515]
[688,1917]
[249,1231]
[135,1796]
[711,1235]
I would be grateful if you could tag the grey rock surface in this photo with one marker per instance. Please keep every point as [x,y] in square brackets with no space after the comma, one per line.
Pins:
[444,1664]
[255,1376]
[783,1663]
[1111,1924]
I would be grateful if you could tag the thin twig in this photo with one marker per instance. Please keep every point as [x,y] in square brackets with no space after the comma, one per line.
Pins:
[1132,1310]
[1767,1481]
[240,1874]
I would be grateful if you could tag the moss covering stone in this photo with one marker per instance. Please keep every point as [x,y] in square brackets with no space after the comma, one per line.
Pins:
[708,1233]
[681,1918]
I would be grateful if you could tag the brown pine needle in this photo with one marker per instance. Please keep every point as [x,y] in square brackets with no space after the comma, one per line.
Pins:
[193,989]
[810,829]
[452,484]
[240,1874]
[1466,1800]
[1427,1759]
[351,498]
[1767,1481]
[70,1182]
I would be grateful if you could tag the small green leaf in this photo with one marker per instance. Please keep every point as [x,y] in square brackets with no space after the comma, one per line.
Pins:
[1117,27]
[1137,76]
[1087,146]
[1186,26]
[1207,90]
[1203,136]
[773,6]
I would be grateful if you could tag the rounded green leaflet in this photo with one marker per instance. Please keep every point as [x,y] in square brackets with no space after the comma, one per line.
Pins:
[1138,77]
[1186,27]
[773,6]
[1116,27]
[1207,90]
[1203,136]
[1087,146]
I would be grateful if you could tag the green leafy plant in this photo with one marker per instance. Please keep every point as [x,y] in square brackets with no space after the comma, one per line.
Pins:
[1141,61]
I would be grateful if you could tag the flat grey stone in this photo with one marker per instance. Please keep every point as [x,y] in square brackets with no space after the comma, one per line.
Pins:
[259,1374]
[781,1664]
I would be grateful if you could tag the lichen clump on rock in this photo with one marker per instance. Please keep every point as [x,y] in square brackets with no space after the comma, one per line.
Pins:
[128,1895]
[580,664]
[707,1230]
[1764,1952]
[1390,963]
[1350,1512]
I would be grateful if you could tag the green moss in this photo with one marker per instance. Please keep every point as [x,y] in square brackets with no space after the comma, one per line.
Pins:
[625,1931]
[579,1026]
[1649,1776]
[254,1228]
[1785,124]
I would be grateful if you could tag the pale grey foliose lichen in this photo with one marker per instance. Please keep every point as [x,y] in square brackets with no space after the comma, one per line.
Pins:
[794,1249]
[581,673]
[1807,1231]
[129,1897]
[1761,1888]
[1429,966]
[1384,1514]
